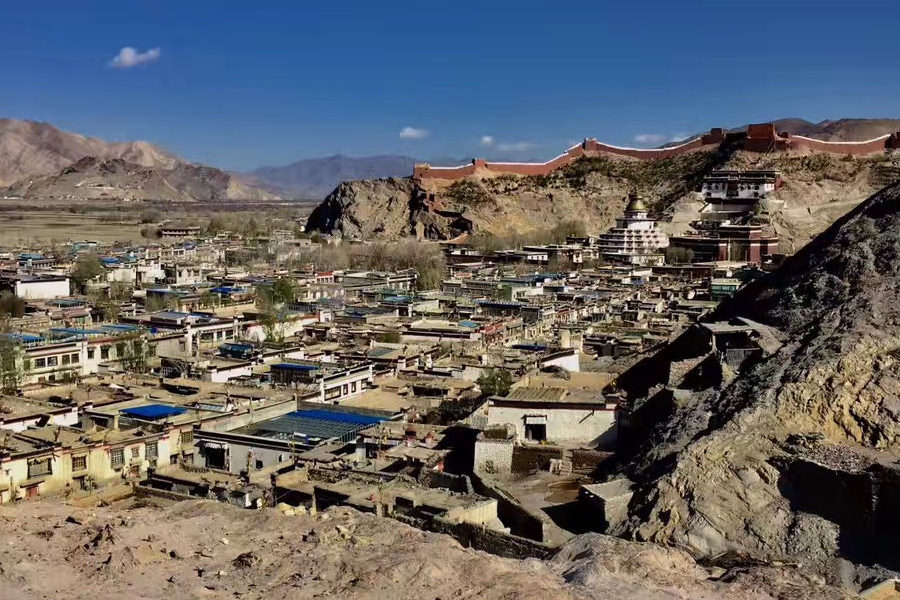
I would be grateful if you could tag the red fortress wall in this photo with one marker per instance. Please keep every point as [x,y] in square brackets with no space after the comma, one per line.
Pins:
[758,138]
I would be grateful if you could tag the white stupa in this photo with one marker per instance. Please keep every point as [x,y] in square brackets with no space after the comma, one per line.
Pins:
[635,239]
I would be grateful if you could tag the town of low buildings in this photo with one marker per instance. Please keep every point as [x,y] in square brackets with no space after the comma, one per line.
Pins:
[438,407]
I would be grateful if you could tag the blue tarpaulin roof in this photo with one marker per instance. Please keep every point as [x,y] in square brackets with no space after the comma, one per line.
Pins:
[153,411]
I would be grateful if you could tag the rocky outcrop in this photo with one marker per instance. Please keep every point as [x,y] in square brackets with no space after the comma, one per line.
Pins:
[728,469]
[818,189]
[366,209]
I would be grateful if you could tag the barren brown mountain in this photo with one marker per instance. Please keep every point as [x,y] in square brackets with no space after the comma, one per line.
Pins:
[30,148]
[39,161]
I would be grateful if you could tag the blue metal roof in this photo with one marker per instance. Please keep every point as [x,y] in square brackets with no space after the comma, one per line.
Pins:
[233,346]
[530,347]
[469,324]
[295,367]
[76,331]
[339,417]
[119,327]
[23,337]
[153,412]
[66,302]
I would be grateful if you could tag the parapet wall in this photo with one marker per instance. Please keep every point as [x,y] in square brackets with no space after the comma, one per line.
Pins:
[761,137]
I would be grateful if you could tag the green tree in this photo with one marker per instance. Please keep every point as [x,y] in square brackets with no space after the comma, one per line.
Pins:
[119,291]
[208,299]
[86,268]
[284,290]
[388,337]
[134,352]
[11,305]
[13,365]
[271,315]
[495,382]
[679,256]
[216,225]
[159,302]
[107,308]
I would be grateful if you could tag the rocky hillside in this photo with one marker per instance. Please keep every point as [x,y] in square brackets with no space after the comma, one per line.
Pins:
[202,549]
[818,189]
[92,178]
[792,457]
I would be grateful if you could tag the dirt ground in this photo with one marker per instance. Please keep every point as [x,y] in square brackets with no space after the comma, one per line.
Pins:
[59,221]
[23,228]
[203,549]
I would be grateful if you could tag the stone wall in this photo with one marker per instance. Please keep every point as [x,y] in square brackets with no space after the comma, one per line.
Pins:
[513,515]
[534,458]
[482,538]
[760,137]
[493,456]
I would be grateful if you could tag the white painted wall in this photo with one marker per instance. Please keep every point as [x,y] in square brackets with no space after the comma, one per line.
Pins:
[563,424]
[42,290]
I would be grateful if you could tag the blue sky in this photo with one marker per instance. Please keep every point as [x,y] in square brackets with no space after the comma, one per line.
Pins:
[244,84]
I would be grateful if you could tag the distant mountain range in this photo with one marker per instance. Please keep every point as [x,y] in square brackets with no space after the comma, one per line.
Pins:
[840,130]
[315,178]
[37,160]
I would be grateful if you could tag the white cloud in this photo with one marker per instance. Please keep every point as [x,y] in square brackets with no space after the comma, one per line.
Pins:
[413,133]
[487,141]
[678,137]
[651,139]
[129,57]
[516,146]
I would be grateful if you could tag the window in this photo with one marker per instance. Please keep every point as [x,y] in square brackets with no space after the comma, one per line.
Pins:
[66,359]
[79,463]
[259,464]
[117,458]
[104,353]
[91,352]
[40,363]
[52,361]
[187,437]
[75,359]
[135,452]
[38,467]
[151,450]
